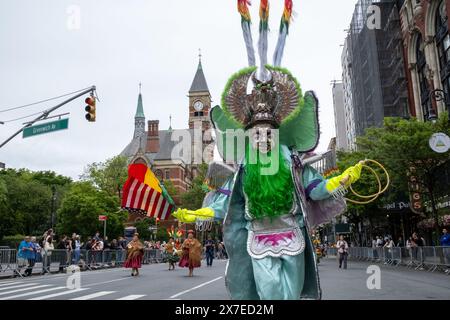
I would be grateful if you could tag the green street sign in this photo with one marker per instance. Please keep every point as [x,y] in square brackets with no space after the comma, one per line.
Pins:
[46,128]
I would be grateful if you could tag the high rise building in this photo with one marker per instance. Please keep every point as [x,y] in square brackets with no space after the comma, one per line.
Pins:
[339,116]
[374,80]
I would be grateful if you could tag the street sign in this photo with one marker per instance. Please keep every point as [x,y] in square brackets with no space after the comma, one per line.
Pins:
[46,128]
[440,142]
[102,218]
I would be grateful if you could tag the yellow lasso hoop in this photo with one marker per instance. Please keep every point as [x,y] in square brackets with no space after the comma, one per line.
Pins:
[374,196]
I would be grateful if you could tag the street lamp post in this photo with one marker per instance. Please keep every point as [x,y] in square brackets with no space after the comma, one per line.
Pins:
[439,95]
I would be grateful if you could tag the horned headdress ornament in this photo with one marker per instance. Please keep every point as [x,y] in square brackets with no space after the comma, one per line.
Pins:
[276,99]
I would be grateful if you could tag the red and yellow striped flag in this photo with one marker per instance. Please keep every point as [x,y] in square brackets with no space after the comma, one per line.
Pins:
[143,194]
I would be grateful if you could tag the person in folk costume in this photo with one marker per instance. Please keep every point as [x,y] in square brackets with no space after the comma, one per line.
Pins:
[171,254]
[273,197]
[135,252]
[192,253]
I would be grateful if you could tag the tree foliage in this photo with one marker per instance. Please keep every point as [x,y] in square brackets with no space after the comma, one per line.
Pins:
[81,207]
[109,176]
[399,145]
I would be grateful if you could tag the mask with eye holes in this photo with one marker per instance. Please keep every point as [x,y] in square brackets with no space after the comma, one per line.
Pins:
[263,138]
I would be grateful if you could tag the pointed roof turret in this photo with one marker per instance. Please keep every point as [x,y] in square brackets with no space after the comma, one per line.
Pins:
[140,105]
[199,84]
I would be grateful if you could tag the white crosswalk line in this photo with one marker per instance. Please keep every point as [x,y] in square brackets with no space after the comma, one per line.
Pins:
[94,295]
[8,283]
[132,297]
[24,289]
[17,286]
[31,293]
[54,295]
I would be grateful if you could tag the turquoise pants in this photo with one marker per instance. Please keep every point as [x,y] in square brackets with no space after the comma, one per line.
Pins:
[279,278]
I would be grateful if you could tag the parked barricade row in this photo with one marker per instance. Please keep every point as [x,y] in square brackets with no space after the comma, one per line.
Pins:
[418,258]
[58,260]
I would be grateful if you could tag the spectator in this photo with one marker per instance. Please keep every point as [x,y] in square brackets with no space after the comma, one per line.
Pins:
[24,253]
[62,253]
[38,250]
[417,244]
[445,238]
[48,249]
[106,250]
[342,246]
[379,242]
[97,236]
[220,251]
[209,247]
[374,243]
[44,238]
[77,249]
[121,247]
[388,250]
[400,242]
[32,257]
[445,242]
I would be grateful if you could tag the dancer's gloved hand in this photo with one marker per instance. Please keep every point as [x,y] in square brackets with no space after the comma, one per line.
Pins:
[188,216]
[350,176]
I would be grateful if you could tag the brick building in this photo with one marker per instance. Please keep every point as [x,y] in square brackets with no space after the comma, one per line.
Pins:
[155,147]
[426,40]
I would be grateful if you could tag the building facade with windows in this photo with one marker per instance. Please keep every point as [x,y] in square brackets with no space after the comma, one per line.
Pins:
[374,79]
[426,41]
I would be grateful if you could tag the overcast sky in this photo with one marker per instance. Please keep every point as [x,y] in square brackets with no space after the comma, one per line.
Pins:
[121,43]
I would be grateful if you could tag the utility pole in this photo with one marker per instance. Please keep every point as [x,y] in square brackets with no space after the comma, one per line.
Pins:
[53,206]
[46,113]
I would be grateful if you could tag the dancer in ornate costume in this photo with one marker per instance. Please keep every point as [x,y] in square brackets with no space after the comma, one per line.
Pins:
[135,252]
[171,254]
[273,198]
[192,253]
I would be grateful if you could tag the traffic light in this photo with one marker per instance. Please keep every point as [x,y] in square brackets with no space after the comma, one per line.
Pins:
[90,109]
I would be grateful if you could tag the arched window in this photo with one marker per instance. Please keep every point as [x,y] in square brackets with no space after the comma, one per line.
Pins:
[423,81]
[443,45]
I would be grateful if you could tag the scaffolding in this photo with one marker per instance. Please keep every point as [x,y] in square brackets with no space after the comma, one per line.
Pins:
[377,72]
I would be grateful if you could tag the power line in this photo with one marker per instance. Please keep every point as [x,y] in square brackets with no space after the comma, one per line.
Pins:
[39,102]
[24,117]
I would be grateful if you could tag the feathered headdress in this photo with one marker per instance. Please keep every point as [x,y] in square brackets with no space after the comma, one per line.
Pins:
[276,97]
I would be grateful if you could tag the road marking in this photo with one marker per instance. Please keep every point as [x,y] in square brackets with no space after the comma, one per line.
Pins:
[11,286]
[194,288]
[8,283]
[96,284]
[132,297]
[24,289]
[93,295]
[31,293]
[49,296]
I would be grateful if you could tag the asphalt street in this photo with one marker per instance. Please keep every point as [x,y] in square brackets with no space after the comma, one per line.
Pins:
[157,283]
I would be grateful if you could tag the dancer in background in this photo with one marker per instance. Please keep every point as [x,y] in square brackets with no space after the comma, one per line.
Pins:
[171,254]
[135,252]
[192,253]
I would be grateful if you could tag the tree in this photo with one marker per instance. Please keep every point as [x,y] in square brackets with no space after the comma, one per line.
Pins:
[109,176]
[6,217]
[403,144]
[28,201]
[142,227]
[193,198]
[80,209]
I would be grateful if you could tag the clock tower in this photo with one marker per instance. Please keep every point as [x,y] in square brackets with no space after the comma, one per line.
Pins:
[199,100]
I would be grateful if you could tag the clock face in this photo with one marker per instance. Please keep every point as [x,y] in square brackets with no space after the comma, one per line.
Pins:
[198,106]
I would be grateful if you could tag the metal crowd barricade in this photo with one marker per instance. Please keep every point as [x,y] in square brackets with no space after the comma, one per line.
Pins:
[419,258]
[8,260]
[153,256]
